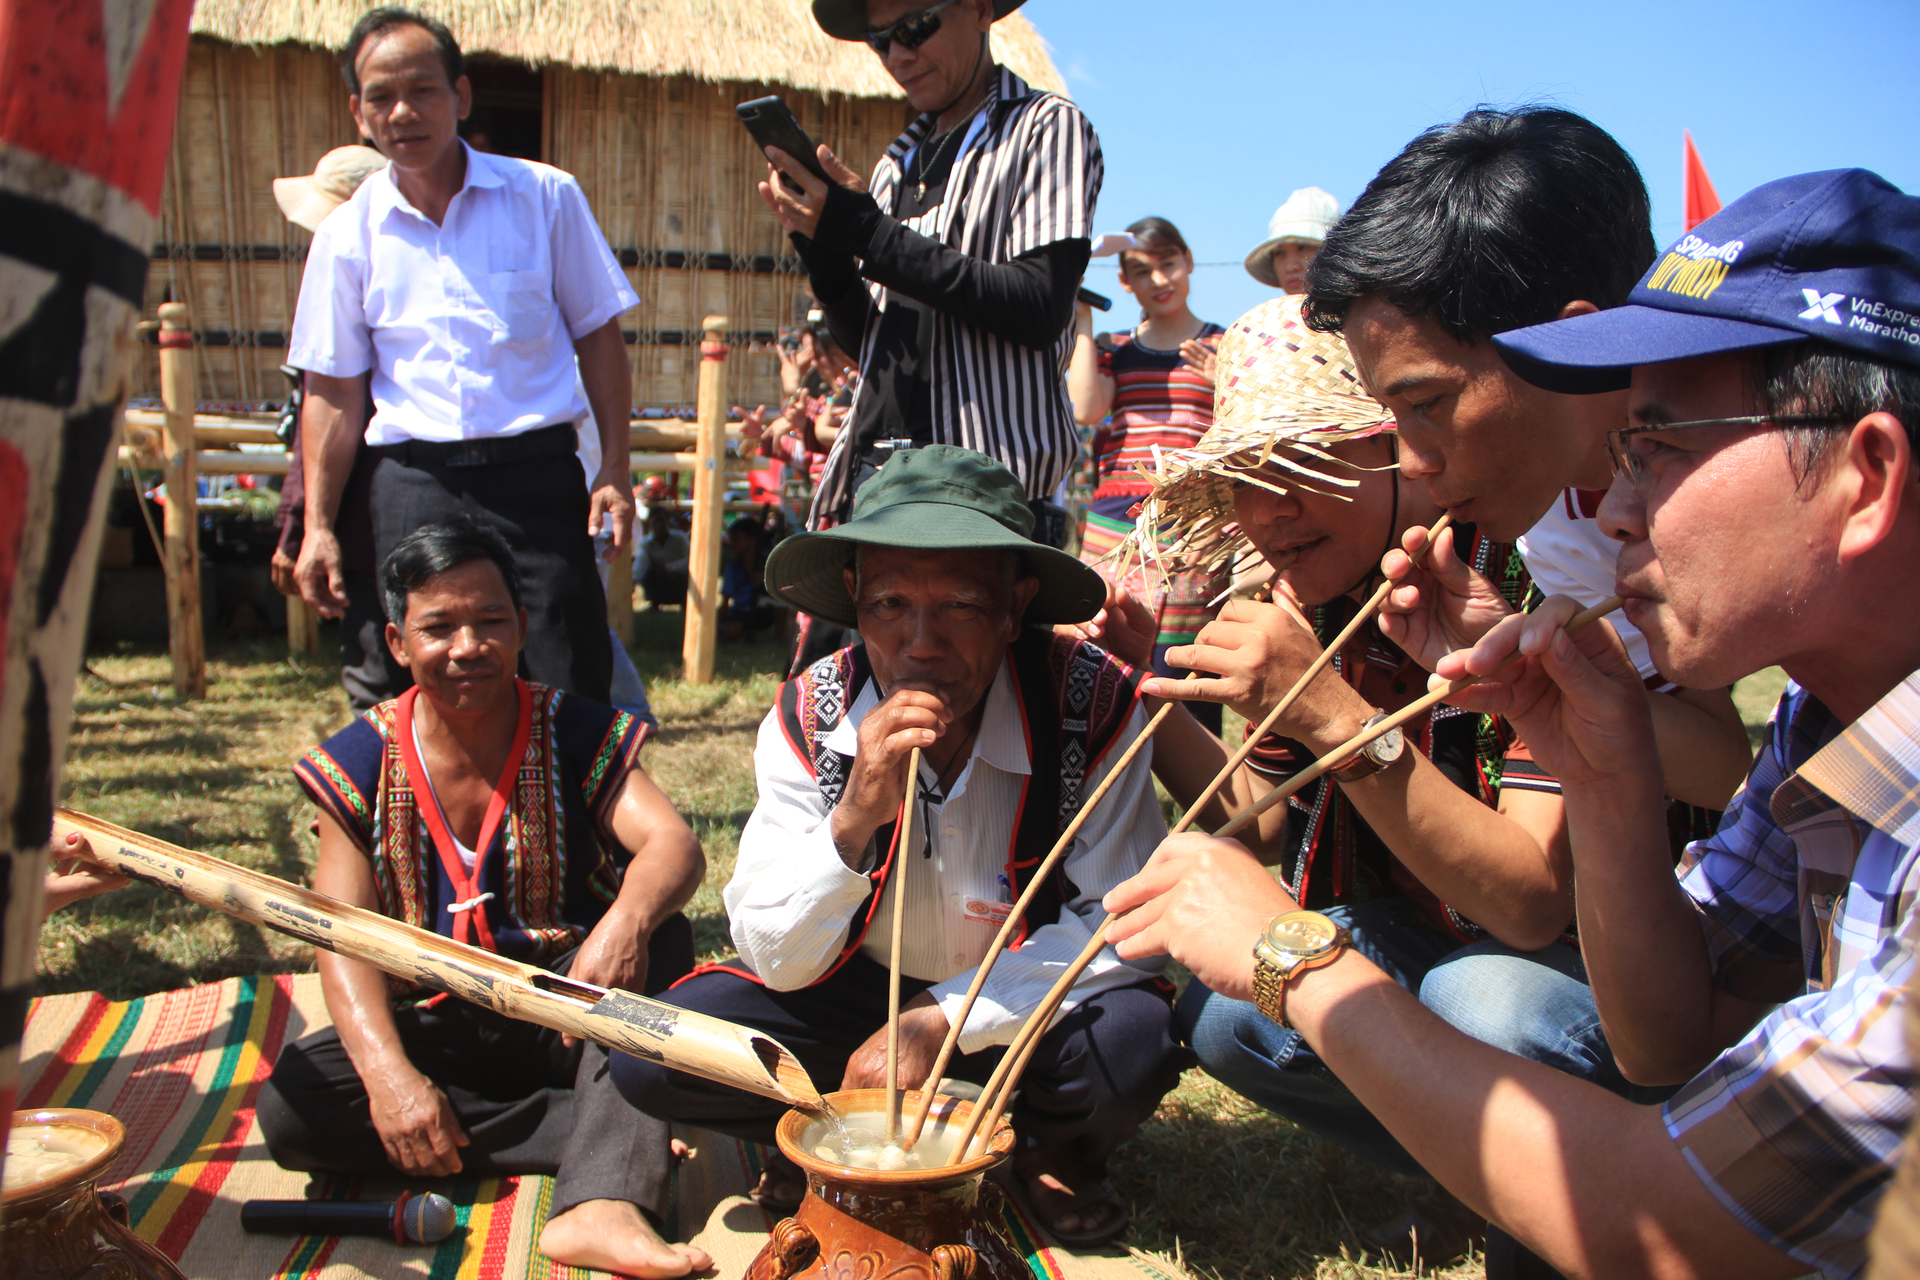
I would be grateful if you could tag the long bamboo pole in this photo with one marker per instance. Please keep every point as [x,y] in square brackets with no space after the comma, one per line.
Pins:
[679,1038]
[1019,911]
[999,1087]
[1280,708]
[902,856]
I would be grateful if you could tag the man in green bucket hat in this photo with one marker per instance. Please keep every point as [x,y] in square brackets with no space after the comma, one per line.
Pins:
[953,602]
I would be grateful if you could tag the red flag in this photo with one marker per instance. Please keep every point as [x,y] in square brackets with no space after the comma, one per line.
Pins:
[1702,201]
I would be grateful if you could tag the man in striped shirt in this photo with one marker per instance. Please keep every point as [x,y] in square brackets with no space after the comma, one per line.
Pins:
[1767,504]
[952,273]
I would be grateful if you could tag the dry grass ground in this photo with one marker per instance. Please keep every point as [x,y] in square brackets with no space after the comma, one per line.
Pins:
[1229,1190]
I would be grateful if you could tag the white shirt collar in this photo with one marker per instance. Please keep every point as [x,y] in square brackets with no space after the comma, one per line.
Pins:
[386,197]
[1002,741]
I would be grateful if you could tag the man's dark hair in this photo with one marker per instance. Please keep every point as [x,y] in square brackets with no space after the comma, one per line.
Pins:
[385,18]
[431,550]
[747,524]
[1490,223]
[1819,378]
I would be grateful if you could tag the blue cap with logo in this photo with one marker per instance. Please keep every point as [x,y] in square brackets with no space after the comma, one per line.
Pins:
[1832,255]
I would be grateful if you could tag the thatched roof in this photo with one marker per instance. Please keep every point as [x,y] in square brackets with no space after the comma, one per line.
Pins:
[773,41]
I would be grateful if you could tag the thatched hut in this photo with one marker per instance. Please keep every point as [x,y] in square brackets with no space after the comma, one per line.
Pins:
[633,97]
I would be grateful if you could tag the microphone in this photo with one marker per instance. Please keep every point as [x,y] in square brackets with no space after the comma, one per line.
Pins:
[412,1219]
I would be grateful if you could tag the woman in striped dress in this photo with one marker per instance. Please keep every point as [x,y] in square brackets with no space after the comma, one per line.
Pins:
[1153,388]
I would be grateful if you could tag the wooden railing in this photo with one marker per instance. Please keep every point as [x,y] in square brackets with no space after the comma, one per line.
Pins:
[182,443]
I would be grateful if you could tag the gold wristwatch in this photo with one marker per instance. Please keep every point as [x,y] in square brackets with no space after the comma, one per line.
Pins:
[1294,942]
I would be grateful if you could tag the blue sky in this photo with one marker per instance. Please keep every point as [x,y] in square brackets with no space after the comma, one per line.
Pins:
[1210,113]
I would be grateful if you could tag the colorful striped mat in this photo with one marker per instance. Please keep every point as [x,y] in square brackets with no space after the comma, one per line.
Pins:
[181,1071]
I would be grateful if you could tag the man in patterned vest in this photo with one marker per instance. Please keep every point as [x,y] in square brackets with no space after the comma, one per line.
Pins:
[1016,725]
[516,818]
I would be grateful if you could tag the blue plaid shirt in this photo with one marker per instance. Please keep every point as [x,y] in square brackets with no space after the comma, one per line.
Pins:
[1797,1127]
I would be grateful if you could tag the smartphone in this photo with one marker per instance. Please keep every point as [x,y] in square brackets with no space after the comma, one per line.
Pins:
[1092,299]
[772,125]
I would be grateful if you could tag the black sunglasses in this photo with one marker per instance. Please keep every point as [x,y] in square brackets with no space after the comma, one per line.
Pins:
[912,31]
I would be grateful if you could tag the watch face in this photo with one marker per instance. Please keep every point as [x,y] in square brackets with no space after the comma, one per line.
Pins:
[1387,747]
[1301,932]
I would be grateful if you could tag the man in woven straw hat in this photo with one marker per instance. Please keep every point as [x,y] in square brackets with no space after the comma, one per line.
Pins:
[952,599]
[952,273]
[1444,853]
[368,672]
[308,199]
[1294,235]
[1503,219]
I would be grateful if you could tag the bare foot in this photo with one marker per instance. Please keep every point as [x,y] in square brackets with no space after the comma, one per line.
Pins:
[613,1235]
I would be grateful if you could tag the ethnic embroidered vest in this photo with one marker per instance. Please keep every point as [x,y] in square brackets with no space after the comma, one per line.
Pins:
[551,871]
[1074,700]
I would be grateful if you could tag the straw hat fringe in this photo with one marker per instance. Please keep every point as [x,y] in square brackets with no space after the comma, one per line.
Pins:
[1283,396]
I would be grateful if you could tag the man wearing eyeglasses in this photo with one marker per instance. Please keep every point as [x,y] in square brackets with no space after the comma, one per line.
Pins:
[952,273]
[1767,507]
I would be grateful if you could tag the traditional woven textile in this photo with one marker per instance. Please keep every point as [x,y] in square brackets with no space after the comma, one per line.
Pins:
[182,1069]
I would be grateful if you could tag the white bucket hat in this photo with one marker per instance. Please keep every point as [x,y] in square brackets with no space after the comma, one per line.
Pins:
[1305,216]
[339,174]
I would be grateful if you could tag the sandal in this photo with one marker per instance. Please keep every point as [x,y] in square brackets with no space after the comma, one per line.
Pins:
[1436,1229]
[1051,1205]
[782,1184]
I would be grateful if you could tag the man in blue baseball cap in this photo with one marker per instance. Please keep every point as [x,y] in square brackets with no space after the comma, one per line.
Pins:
[1767,503]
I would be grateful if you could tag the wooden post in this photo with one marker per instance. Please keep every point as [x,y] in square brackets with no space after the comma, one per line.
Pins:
[703,561]
[620,589]
[303,626]
[181,397]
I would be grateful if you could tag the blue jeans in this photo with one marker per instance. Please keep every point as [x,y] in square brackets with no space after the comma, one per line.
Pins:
[1535,1004]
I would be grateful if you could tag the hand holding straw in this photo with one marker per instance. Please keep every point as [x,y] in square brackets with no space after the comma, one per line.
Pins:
[999,1088]
[1426,702]
[1319,664]
[903,854]
[1007,926]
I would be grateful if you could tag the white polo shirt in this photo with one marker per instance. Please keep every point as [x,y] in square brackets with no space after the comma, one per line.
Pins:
[467,327]
[1569,554]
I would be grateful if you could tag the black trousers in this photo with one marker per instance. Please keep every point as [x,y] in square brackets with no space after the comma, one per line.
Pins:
[367,669]
[528,1103]
[1096,1076]
[540,507]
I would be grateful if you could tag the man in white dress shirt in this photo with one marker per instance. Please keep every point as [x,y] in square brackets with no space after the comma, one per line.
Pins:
[470,289]
[1016,725]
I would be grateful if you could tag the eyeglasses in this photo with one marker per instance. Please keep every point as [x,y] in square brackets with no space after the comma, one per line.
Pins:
[912,31]
[1635,466]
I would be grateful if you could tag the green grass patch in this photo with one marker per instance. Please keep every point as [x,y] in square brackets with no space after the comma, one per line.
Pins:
[1215,1183]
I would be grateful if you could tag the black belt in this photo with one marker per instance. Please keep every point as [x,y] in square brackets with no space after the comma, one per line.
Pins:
[559,440]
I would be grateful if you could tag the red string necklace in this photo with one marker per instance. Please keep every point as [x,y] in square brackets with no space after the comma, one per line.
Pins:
[469,914]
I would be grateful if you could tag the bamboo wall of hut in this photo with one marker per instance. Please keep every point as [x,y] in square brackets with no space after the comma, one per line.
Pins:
[649,132]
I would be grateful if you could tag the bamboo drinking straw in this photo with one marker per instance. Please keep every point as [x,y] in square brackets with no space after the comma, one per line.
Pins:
[903,854]
[999,1087]
[1007,926]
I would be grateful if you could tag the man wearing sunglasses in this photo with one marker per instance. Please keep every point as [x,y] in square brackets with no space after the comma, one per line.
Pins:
[952,273]
[1767,506]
